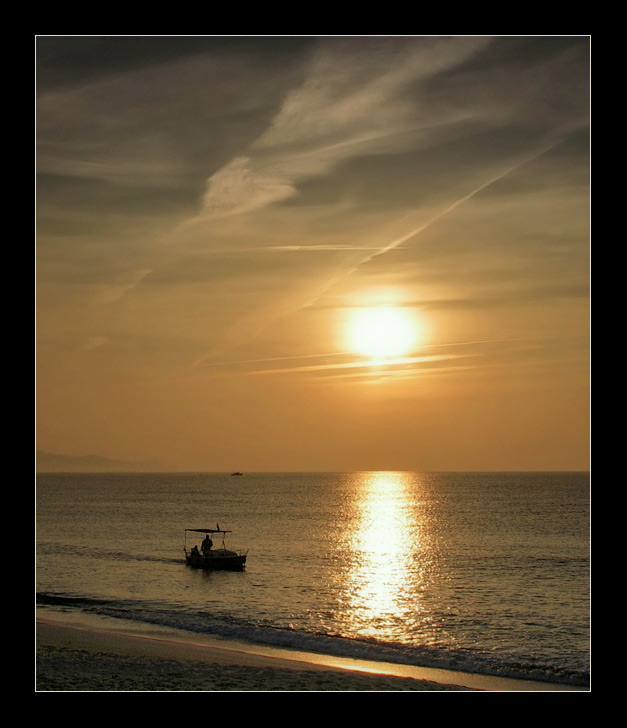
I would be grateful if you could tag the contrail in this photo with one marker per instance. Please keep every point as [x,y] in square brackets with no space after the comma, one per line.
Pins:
[361,364]
[453,206]
[393,245]
[365,362]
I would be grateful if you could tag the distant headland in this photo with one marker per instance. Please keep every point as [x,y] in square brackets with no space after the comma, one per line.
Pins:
[47,462]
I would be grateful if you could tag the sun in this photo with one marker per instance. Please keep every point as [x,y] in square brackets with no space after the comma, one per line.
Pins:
[382,332]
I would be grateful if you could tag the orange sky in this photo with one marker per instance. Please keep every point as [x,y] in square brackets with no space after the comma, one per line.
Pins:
[213,211]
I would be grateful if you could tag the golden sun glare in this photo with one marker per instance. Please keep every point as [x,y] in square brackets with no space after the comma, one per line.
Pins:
[382,332]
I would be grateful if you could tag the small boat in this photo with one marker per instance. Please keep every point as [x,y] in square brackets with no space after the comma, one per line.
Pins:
[237,473]
[206,557]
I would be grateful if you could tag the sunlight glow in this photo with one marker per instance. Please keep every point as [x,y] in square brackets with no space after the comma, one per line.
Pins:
[385,588]
[382,332]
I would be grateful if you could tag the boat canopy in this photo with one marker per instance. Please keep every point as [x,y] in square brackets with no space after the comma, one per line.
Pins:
[208,530]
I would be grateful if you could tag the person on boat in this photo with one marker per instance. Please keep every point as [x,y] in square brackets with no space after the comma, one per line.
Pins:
[195,551]
[206,545]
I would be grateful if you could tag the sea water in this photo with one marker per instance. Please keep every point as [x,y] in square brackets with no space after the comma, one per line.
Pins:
[477,572]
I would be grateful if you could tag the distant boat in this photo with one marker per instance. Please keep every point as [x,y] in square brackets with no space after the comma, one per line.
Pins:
[221,559]
[237,473]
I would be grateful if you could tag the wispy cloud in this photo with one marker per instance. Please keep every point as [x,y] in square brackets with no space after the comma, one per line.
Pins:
[356,100]
[116,289]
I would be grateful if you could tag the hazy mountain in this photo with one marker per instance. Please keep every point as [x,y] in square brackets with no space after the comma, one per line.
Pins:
[55,463]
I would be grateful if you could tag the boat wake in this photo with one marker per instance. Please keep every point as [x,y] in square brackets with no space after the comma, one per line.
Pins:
[100,554]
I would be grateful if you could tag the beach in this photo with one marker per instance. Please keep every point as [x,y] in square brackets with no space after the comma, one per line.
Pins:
[92,658]
[71,659]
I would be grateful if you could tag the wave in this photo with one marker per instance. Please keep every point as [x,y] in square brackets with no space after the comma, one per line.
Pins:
[228,627]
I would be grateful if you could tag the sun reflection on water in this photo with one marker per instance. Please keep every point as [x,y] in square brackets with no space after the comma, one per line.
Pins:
[391,557]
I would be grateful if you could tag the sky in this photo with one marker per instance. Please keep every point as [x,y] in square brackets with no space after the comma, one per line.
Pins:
[214,214]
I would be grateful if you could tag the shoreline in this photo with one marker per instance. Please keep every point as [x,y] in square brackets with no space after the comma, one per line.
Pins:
[81,656]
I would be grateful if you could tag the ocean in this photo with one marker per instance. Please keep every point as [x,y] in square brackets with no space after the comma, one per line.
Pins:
[485,573]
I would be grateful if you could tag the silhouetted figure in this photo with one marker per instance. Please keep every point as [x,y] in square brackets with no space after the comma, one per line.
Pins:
[195,552]
[206,545]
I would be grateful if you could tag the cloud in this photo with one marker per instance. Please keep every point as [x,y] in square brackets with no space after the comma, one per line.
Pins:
[238,188]
[115,290]
[357,99]
[95,342]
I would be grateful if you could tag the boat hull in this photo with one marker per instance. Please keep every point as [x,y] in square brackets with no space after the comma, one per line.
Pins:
[231,562]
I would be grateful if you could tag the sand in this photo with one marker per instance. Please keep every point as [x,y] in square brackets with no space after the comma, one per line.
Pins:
[73,659]
[76,658]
